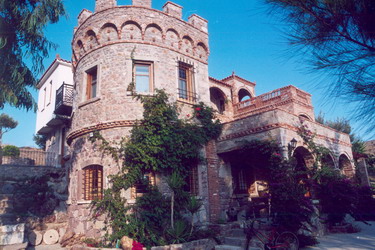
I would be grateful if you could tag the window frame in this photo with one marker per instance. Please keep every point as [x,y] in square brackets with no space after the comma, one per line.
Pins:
[192,181]
[92,179]
[190,95]
[89,82]
[150,66]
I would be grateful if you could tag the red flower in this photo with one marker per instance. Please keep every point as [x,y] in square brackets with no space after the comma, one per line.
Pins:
[197,108]
[137,246]
[188,115]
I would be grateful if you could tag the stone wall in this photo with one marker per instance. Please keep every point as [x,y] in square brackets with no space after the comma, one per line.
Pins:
[36,198]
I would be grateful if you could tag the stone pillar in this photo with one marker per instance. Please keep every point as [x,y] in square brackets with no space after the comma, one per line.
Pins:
[198,22]
[363,174]
[142,3]
[104,4]
[213,181]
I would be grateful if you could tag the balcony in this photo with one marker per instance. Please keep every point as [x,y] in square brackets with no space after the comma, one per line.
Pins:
[285,98]
[64,100]
[187,96]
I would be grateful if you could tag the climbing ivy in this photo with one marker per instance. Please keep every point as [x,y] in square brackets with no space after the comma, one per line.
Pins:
[161,143]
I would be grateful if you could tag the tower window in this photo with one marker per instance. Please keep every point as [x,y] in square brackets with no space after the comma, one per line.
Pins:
[93,182]
[143,77]
[92,83]
[185,82]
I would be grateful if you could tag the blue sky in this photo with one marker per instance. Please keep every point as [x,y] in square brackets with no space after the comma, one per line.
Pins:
[243,39]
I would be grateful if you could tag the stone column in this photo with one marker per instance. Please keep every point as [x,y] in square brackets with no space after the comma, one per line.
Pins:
[363,174]
[213,181]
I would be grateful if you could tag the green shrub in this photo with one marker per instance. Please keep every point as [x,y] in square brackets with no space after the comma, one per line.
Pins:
[10,150]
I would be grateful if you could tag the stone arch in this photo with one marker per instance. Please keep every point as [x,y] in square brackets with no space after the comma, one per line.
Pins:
[217,98]
[327,160]
[202,51]
[153,34]
[108,32]
[131,30]
[172,38]
[345,166]
[304,158]
[304,116]
[79,49]
[243,95]
[187,45]
[91,39]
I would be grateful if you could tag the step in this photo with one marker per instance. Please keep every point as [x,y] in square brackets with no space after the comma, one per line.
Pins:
[238,232]
[227,247]
[15,246]
[235,241]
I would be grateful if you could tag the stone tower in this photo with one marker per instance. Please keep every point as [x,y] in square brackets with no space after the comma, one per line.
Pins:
[119,51]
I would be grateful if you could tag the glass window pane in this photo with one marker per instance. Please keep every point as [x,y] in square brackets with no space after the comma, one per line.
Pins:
[182,89]
[93,90]
[142,69]
[182,73]
[142,84]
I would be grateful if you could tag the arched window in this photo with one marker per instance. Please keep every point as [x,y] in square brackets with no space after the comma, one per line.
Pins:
[218,99]
[93,182]
[243,95]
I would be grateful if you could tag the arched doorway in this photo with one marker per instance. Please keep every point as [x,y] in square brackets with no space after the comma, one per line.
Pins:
[217,98]
[327,161]
[304,162]
[346,166]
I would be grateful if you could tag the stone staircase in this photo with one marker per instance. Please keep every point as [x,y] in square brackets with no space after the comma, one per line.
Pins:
[236,240]
[11,230]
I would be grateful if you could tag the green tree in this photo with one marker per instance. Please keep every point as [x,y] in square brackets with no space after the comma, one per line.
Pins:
[6,124]
[336,37]
[22,23]
[40,141]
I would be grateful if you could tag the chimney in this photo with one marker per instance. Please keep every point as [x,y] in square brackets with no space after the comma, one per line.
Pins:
[173,9]
[104,4]
[142,3]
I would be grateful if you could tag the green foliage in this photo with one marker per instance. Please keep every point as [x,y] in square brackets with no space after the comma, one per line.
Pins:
[22,39]
[34,197]
[285,186]
[340,196]
[40,141]
[6,123]
[336,194]
[10,150]
[336,37]
[164,144]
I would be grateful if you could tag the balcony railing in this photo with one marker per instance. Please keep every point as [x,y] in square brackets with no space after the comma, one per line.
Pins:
[277,97]
[33,157]
[64,100]
[189,96]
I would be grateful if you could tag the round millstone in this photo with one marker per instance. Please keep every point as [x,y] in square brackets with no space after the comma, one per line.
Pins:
[35,238]
[51,237]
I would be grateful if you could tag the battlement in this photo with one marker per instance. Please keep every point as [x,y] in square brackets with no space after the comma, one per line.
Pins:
[169,8]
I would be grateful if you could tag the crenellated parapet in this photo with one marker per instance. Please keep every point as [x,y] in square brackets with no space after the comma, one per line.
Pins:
[139,24]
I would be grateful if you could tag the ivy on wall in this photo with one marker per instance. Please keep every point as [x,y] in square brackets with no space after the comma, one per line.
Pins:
[161,143]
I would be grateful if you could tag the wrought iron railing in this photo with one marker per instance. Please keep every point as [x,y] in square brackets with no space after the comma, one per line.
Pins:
[33,157]
[189,96]
[64,99]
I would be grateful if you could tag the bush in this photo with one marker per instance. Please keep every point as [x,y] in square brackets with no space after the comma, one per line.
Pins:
[10,150]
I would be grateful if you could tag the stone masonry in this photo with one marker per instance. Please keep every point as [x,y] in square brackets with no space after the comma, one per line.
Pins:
[112,40]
